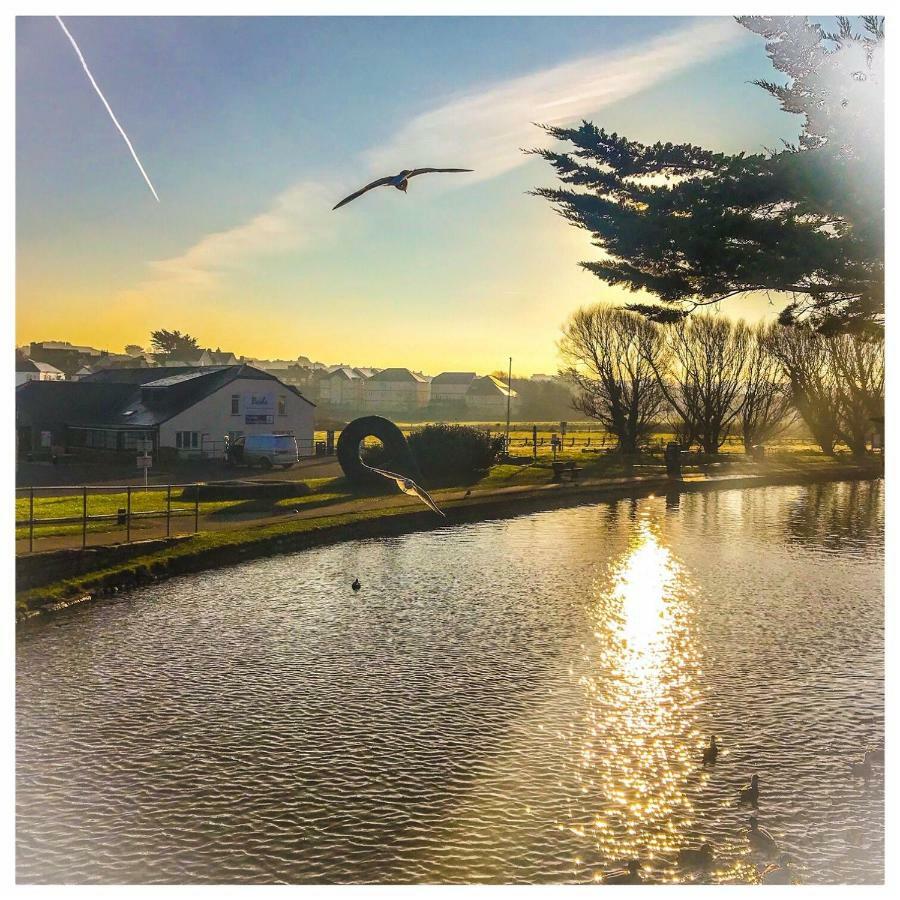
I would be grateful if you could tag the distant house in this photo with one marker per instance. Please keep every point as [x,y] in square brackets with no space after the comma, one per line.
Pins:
[451,387]
[397,390]
[488,396]
[189,410]
[68,358]
[29,370]
[344,386]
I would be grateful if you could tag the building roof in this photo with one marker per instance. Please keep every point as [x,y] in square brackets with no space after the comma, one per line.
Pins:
[346,372]
[132,398]
[487,386]
[24,364]
[453,378]
[399,375]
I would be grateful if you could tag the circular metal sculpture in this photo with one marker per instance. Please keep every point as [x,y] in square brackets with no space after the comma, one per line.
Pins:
[396,450]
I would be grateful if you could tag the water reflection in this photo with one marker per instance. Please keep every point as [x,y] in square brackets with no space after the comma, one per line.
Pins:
[640,744]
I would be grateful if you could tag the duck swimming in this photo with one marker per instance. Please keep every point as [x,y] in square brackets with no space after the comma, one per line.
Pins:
[711,752]
[760,839]
[863,769]
[696,857]
[356,584]
[629,875]
[750,792]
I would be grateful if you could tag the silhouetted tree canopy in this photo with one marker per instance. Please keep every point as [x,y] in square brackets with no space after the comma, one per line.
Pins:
[693,227]
[173,344]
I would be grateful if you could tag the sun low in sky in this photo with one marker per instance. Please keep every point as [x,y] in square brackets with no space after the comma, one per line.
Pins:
[251,129]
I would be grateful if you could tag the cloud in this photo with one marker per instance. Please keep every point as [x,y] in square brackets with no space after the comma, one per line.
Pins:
[483,130]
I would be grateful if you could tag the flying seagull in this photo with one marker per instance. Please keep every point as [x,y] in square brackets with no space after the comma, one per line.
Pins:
[408,486]
[399,181]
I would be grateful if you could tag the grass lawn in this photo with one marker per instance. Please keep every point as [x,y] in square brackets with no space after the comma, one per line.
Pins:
[66,507]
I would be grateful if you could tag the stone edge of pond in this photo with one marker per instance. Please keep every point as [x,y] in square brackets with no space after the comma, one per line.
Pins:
[162,564]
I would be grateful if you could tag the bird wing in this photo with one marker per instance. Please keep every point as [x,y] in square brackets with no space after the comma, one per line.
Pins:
[385,474]
[408,486]
[425,497]
[378,182]
[415,172]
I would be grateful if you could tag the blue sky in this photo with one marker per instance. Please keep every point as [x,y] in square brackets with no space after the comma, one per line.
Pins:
[251,129]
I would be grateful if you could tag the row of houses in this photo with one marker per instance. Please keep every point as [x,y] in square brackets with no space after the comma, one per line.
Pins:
[399,390]
[341,390]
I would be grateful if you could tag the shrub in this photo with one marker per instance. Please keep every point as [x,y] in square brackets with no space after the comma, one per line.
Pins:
[453,450]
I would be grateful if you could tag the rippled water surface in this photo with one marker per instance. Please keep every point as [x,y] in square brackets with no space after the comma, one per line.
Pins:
[514,701]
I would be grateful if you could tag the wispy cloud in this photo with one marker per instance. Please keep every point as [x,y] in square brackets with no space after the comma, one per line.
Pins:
[483,130]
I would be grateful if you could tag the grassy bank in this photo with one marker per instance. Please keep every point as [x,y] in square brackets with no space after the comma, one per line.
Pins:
[506,490]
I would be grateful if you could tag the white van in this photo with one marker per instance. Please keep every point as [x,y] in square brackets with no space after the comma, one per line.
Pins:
[265,450]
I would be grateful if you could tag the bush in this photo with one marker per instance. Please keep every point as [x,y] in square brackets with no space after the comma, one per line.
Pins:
[447,450]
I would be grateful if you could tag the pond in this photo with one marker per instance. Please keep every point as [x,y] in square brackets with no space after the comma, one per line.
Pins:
[519,700]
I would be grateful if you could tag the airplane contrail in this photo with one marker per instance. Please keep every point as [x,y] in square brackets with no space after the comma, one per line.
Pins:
[112,115]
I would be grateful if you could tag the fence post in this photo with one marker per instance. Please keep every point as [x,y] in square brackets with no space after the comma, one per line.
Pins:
[31,521]
[128,514]
[168,510]
[196,508]
[84,517]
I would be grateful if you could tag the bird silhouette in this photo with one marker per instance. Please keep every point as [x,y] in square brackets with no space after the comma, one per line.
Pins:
[760,839]
[696,857]
[631,874]
[399,181]
[711,752]
[356,584]
[408,486]
[750,792]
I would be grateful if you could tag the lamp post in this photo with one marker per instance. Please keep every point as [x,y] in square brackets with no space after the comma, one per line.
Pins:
[508,399]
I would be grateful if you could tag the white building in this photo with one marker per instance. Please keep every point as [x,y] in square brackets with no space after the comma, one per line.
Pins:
[188,412]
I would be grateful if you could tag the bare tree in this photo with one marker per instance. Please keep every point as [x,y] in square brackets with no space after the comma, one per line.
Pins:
[804,356]
[610,355]
[767,407]
[700,373]
[857,365]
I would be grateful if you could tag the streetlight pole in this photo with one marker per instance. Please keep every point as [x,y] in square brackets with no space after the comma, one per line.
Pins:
[508,399]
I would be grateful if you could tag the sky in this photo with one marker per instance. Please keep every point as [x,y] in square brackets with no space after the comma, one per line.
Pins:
[251,129]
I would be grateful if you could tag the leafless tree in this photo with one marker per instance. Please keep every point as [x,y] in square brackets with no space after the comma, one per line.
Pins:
[700,373]
[857,364]
[767,407]
[804,356]
[610,355]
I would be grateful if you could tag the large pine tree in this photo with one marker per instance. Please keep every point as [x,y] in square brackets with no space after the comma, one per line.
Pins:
[693,227]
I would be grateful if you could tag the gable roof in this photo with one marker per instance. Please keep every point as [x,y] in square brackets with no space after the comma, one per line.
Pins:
[453,378]
[402,375]
[487,386]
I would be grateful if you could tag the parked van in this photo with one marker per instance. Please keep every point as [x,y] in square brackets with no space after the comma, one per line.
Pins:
[265,450]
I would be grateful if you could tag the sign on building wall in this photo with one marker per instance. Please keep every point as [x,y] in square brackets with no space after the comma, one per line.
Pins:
[259,409]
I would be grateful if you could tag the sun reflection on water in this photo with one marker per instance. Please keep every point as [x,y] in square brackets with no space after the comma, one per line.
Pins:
[640,680]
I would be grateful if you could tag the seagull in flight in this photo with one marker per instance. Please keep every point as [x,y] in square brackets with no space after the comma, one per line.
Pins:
[408,486]
[399,181]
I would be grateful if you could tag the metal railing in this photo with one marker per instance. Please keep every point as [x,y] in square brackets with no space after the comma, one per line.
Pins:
[59,516]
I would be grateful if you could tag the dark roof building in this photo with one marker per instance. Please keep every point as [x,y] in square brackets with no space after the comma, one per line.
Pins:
[121,402]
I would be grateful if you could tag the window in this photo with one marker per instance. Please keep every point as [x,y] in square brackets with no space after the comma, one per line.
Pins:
[187,440]
[235,404]
[282,405]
